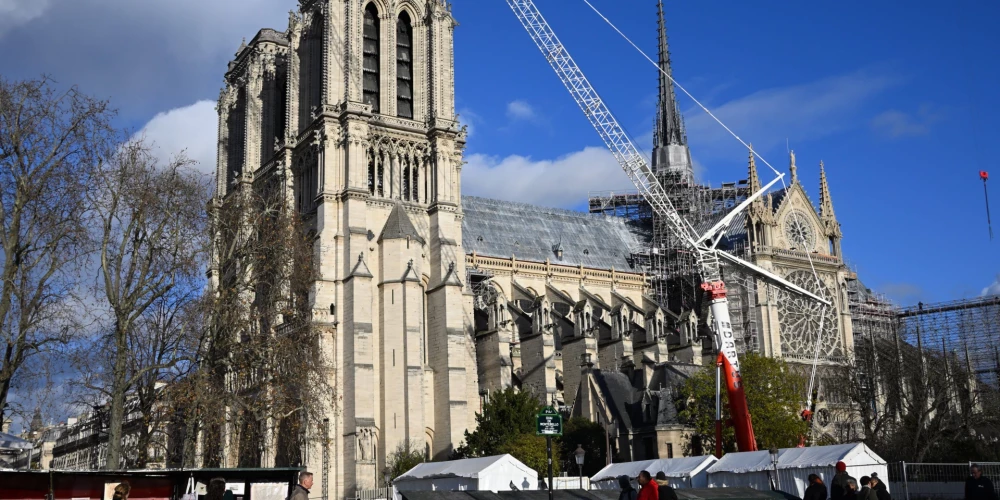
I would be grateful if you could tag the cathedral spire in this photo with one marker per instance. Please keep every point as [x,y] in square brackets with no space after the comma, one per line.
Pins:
[825,202]
[752,178]
[671,156]
[669,130]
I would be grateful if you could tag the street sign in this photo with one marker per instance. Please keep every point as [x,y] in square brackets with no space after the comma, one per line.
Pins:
[549,422]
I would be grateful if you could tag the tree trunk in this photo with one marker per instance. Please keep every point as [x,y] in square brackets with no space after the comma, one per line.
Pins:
[118,389]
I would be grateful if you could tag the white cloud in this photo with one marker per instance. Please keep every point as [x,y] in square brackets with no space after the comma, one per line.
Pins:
[193,129]
[896,124]
[14,13]
[993,289]
[520,110]
[799,112]
[563,182]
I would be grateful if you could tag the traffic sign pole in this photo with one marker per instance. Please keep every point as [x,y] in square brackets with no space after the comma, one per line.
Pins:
[548,442]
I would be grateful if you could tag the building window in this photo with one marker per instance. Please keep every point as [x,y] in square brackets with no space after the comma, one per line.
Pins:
[371,172]
[670,450]
[404,66]
[416,182]
[371,58]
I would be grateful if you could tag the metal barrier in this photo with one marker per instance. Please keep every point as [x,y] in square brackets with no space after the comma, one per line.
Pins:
[935,481]
[374,494]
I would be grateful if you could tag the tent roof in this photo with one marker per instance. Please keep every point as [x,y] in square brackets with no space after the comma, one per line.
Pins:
[469,467]
[672,467]
[10,442]
[797,458]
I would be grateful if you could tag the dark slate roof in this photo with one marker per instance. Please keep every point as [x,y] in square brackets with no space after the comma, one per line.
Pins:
[399,226]
[777,197]
[626,400]
[499,228]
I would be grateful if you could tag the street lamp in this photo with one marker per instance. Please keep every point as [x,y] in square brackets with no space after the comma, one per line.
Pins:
[579,453]
[774,463]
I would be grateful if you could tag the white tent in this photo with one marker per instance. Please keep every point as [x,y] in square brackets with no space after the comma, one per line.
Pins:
[687,472]
[496,473]
[752,469]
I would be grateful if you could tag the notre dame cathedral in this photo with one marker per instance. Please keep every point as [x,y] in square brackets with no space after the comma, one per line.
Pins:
[429,301]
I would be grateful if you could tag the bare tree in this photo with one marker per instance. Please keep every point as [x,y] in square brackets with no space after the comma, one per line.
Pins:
[261,373]
[50,143]
[150,231]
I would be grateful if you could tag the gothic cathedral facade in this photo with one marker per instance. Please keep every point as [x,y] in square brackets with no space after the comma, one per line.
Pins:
[354,105]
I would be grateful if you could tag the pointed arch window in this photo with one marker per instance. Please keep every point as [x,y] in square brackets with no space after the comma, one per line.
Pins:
[371,78]
[404,66]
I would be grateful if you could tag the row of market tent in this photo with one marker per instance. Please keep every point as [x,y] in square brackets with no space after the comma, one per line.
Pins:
[747,469]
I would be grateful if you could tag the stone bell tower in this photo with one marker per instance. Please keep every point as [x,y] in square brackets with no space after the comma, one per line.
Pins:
[354,106]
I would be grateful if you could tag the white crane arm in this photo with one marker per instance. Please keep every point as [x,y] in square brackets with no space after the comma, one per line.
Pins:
[602,119]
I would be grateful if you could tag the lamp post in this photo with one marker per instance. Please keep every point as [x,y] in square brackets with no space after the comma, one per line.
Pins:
[774,463]
[579,453]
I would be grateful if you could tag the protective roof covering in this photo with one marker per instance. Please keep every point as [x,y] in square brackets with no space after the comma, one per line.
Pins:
[468,467]
[10,442]
[629,404]
[797,458]
[499,228]
[671,467]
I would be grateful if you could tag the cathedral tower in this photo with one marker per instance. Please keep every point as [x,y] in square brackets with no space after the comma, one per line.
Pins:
[353,109]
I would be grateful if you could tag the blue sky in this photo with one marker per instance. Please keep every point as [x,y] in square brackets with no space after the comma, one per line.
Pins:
[894,97]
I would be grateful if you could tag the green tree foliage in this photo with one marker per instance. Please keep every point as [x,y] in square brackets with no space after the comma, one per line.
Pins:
[530,449]
[507,414]
[579,431]
[774,397]
[406,456]
[507,424]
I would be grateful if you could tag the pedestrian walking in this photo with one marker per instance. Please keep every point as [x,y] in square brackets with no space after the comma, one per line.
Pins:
[665,491]
[628,492]
[880,489]
[852,489]
[866,492]
[838,486]
[301,490]
[978,486]
[816,489]
[650,490]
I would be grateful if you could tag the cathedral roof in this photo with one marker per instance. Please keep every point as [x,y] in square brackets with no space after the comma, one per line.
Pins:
[635,407]
[499,228]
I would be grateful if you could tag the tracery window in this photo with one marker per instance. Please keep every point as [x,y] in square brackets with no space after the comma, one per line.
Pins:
[406,180]
[404,66]
[371,172]
[799,318]
[416,182]
[371,79]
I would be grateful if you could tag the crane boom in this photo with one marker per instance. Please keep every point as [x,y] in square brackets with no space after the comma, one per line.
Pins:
[644,179]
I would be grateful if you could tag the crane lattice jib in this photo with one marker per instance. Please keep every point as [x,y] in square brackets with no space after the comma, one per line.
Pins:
[608,128]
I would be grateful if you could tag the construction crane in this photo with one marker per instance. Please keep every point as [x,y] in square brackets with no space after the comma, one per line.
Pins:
[704,246]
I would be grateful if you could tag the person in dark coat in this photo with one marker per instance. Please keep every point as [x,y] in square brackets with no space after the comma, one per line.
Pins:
[978,486]
[816,489]
[881,491]
[852,489]
[838,486]
[628,492]
[665,490]
[866,488]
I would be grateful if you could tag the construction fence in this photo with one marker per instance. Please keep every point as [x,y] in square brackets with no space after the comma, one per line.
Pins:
[934,481]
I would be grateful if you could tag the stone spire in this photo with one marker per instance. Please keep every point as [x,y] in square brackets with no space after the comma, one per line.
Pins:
[669,130]
[752,178]
[825,202]
[791,167]
[670,149]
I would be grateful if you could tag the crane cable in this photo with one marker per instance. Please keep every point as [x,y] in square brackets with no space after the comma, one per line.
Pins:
[819,333]
[678,85]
